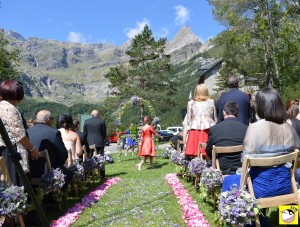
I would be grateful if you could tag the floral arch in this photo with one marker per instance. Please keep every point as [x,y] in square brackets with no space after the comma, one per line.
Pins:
[135,100]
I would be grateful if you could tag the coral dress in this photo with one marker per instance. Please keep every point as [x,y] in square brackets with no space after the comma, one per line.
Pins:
[147,147]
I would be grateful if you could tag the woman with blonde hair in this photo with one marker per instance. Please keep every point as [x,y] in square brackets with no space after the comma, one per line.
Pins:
[201,115]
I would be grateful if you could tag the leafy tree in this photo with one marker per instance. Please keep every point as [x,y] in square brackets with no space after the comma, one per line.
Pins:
[8,60]
[262,39]
[147,73]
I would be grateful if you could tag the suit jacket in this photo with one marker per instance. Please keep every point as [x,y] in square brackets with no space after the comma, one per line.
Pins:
[229,132]
[243,101]
[95,129]
[44,137]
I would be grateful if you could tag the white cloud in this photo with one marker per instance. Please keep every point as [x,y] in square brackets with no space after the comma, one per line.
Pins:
[131,32]
[76,37]
[182,15]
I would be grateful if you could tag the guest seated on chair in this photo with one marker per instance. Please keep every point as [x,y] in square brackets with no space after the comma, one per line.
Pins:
[229,132]
[269,137]
[70,138]
[44,136]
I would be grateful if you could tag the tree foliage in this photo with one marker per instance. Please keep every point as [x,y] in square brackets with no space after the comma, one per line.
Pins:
[147,74]
[8,59]
[261,40]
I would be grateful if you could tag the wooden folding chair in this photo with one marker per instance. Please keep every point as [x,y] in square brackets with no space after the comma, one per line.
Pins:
[43,154]
[85,154]
[201,145]
[197,178]
[179,145]
[4,175]
[70,160]
[224,150]
[94,149]
[291,198]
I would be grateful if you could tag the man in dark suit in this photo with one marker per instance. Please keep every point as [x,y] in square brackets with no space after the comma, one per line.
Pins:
[241,98]
[44,136]
[95,129]
[229,132]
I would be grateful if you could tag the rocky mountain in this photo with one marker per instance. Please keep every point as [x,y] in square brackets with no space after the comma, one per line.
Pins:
[70,72]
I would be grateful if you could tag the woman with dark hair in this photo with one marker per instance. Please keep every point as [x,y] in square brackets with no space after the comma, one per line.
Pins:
[69,137]
[147,147]
[293,115]
[269,137]
[12,93]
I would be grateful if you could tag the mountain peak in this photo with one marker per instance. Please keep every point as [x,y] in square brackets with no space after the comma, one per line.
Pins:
[183,37]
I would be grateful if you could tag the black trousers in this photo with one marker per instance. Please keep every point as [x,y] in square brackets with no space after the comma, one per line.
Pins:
[100,150]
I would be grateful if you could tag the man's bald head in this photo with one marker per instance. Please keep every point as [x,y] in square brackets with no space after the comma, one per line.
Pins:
[43,116]
[95,113]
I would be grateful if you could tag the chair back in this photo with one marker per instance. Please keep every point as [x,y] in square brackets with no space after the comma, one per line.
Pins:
[200,146]
[43,154]
[291,198]
[70,160]
[85,154]
[4,174]
[223,150]
[94,149]
[179,145]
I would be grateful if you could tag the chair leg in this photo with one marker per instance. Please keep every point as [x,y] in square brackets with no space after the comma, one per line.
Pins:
[20,220]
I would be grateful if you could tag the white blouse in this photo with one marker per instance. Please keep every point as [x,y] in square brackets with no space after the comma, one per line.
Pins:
[201,115]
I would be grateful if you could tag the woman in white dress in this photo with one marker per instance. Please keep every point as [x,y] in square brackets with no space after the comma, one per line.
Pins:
[70,138]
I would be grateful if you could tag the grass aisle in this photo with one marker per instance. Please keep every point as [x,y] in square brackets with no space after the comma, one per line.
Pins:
[141,198]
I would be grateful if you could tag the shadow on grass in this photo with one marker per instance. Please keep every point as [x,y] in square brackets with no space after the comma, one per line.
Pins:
[116,215]
[117,174]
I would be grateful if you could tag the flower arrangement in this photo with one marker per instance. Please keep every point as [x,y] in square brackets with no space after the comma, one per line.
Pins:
[168,151]
[108,158]
[13,200]
[196,166]
[211,178]
[135,100]
[53,180]
[99,160]
[89,164]
[178,158]
[237,207]
[79,172]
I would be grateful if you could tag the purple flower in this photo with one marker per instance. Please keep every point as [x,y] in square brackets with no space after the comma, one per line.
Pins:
[135,100]
[196,166]
[13,200]
[53,180]
[237,207]
[211,178]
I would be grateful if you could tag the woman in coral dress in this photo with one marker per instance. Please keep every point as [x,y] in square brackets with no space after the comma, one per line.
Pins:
[147,147]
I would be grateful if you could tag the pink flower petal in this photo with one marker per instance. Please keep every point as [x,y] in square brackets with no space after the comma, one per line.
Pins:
[74,213]
[191,213]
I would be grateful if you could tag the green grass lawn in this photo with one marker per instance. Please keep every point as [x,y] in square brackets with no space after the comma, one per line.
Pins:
[141,198]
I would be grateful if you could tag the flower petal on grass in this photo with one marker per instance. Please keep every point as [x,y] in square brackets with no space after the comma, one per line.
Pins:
[190,209]
[74,213]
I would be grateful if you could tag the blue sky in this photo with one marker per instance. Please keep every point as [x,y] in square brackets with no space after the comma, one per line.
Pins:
[106,21]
